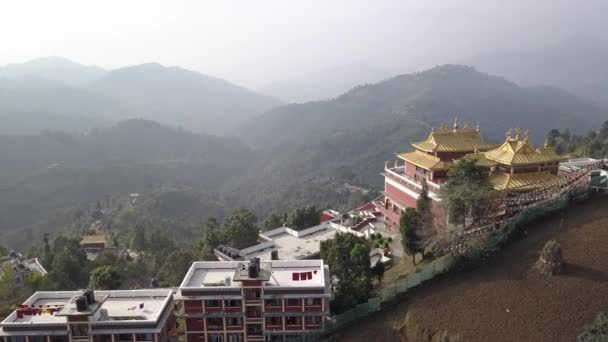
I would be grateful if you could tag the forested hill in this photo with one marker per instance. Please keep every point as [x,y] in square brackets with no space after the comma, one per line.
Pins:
[43,177]
[424,99]
[178,96]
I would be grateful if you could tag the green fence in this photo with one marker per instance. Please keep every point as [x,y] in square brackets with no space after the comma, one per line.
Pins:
[489,244]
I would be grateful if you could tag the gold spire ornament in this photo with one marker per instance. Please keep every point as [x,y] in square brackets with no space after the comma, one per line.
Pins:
[527,135]
[546,142]
[517,131]
[455,124]
[478,128]
[508,135]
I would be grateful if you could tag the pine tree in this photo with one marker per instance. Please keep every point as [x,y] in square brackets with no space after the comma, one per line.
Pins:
[409,224]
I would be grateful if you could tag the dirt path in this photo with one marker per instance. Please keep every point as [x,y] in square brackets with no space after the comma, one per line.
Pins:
[505,301]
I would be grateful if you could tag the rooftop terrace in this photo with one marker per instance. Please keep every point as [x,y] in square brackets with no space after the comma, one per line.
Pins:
[282,273]
[124,308]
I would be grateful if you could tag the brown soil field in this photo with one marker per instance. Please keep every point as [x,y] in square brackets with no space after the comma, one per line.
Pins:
[505,300]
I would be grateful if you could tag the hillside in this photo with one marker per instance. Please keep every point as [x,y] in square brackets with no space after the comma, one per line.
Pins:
[347,139]
[45,178]
[505,300]
[576,64]
[30,105]
[181,97]
[426,98]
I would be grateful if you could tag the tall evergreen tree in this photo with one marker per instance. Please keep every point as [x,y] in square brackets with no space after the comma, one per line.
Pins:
[409,224]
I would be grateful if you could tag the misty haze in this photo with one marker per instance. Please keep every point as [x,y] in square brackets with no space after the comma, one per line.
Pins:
[303,171]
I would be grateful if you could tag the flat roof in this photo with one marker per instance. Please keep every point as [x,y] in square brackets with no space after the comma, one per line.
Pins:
[291,247]
[122,307]
[220,274]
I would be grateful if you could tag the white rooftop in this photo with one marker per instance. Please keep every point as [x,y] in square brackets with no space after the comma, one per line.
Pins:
[214,274]
[119,307]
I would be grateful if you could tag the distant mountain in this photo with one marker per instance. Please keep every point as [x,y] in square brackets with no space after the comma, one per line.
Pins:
[30,105]
[325,84]
[55,69]
[181,97]
[424,99]
[576,64]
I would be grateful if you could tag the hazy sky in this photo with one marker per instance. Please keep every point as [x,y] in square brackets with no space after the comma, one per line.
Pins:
[257,42]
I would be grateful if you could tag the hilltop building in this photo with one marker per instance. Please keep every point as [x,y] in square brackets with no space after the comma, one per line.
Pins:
[514,166]
[95,244]
[20,267]
[238,301]
[100,316]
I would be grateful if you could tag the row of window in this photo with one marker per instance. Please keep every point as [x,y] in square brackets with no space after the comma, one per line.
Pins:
[79,331]
[314,301]
[227,303]
[268,302]
[293,320]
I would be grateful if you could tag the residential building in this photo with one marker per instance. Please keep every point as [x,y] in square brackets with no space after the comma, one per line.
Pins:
[20,267]
[236,301]
[284,243]
[93,316]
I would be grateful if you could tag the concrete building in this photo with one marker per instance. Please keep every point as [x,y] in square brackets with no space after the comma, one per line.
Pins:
[237,301]
[20,267]
[284,243]
[93,316]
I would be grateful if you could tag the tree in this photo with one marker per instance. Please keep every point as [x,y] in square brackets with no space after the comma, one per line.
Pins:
[409,224]
[175,267]
[466,190]
[552,137]
[212,237]
[348,259]
[105,278]
[241,229]
[273,221]
[305,217]
[139,238]
[69,270]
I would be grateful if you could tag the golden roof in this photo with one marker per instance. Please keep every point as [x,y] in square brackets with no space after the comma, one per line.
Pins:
[95,238]
[515,152]
[480,159]
[455,140]
[523,181]
[424,160]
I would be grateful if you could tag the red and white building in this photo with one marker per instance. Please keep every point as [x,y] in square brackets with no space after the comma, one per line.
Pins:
[430,161]
[93,316]
[237,301]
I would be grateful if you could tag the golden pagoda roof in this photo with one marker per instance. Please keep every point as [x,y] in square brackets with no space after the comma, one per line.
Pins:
[424,160]
[445,140]
[94,238]
[480,159]
[523,181]
[515,152]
